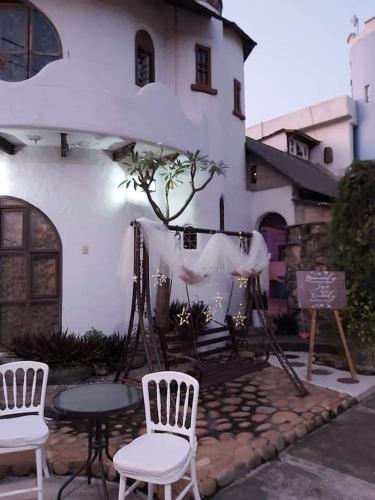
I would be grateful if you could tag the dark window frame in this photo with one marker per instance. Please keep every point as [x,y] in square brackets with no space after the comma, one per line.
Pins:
[200,86]
[237,99]
[28,51]
[222,213]
[144,44]
[190,239]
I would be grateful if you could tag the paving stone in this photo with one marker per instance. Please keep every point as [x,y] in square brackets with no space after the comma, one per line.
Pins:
[207,486]
[281,417]
[233,401]
[258,417]
[60,468]
[301,430]
[275,438]
[266,410]
[263,427]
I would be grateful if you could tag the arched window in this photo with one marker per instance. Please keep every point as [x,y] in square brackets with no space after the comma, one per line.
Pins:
[144,59]
[28,41]
[222,213]
[30,270]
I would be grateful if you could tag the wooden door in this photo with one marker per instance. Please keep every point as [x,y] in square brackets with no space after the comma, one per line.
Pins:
[30,271]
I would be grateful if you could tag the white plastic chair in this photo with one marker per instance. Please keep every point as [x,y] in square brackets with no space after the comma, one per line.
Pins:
[167,451]
[24,427]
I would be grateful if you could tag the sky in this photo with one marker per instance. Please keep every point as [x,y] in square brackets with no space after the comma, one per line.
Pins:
[301,56]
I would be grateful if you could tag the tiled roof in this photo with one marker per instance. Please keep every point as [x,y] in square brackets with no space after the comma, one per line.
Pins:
[304,173]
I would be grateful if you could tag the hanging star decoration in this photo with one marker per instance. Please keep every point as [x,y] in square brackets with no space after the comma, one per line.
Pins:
[159,278]
[184,317]
[239,320]
[135,279]
[242,281]
[208,314]
[219,299]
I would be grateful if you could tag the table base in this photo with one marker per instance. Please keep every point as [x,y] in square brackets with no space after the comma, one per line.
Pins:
[98,446]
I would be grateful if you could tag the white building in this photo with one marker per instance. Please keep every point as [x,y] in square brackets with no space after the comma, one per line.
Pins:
[321,133]
[79,80]
[362,50]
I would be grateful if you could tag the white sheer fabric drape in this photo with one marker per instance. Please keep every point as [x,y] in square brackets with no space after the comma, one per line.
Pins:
[220,254]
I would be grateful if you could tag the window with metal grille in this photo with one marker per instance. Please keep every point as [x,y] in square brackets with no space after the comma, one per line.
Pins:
[328,155]
[203,80]
[253,174]
[237,92]
[144,59]
[28,41]
[190,239]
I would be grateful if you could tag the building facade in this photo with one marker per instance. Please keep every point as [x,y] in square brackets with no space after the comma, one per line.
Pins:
[79,81]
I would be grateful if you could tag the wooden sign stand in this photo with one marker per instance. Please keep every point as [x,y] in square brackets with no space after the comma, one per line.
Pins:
[343,341]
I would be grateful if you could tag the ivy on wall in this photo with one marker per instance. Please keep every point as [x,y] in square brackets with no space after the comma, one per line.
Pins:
[353,246]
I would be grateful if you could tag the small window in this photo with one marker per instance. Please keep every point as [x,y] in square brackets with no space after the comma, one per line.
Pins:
[367,93]
[203,82]
[144,59]
[222,213]
[253,174]
[328,155]
[237,89]
[292,147]
[190,239]
[28,41]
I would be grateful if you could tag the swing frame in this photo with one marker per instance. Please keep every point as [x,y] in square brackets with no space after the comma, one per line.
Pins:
[209,371]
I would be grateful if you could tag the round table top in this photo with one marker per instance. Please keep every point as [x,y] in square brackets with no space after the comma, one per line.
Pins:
[95,400]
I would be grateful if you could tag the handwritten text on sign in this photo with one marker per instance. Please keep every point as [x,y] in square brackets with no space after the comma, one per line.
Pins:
[321,290]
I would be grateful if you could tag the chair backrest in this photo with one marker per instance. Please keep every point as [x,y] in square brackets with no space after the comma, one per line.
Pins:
[23,387]
[175,401]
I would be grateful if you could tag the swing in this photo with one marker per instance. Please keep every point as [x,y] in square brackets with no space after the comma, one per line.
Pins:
[215,355]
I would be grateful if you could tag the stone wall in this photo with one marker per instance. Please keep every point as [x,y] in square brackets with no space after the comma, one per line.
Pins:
[307,250]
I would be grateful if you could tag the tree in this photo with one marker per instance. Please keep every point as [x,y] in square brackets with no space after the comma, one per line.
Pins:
[171,171]
[353,246]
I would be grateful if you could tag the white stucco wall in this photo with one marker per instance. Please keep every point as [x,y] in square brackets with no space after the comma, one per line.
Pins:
[362,48]
[92,91]
[278,200]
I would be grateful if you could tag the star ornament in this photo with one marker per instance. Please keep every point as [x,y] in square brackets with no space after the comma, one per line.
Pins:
[159,278]
[135,279]
[242,281]
[208,314]
[219,299]
[184,317]
[239,320]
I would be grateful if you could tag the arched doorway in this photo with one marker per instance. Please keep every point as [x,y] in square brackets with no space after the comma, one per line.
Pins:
[274,229]
[30,270]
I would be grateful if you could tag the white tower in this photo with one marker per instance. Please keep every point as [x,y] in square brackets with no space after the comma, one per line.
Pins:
[362,50]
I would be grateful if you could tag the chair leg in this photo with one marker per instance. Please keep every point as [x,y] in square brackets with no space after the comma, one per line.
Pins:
[150,491]
[45,466]
[39,472]
[122,488]
[168,492]
[194,480]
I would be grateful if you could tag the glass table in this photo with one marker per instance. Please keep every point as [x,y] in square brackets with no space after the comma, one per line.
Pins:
[95,403]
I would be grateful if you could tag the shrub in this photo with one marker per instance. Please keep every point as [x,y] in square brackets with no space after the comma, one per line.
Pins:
[197,320]
[353,247]
[62,349]
[286,324]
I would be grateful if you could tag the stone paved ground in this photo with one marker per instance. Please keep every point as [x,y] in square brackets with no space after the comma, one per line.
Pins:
[334,463]
[240,424]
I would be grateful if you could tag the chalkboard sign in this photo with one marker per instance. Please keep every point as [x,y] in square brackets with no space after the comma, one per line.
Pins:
[321,290]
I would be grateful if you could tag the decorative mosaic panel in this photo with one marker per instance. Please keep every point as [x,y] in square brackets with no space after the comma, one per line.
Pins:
[43,234]
[12,321]
[12,229]
[12,276]
[44,276]
[45,317]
